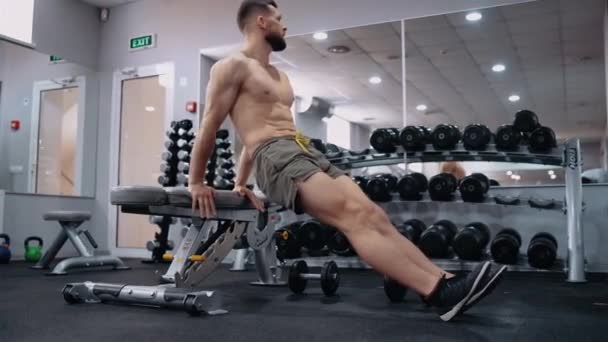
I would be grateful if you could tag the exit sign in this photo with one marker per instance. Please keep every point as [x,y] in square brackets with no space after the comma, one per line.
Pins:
[142,42]
[55,59]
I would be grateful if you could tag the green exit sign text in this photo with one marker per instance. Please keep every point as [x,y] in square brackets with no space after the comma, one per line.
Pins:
[142,42]
[55,59]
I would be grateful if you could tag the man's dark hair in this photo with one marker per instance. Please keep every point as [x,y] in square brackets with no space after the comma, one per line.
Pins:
[249,7]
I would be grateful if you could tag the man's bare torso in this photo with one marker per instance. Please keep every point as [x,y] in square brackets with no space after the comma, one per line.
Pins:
[262,109]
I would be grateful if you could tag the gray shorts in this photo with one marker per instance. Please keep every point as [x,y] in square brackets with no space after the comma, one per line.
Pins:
[280,163]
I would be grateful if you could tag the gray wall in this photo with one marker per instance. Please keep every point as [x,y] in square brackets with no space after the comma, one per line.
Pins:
[20,67]
[25,220]
[359,137]
[67,28]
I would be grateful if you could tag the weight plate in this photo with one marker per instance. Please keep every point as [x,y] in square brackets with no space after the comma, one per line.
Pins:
[526,121]
[295,282]
[507,138]
[413,138]
[330,278]
[476,137]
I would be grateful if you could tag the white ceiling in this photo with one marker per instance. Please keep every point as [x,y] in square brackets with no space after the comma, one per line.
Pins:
[107,3]
[553,50]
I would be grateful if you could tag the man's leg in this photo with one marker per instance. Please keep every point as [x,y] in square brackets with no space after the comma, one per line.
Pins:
[367,228]
[413,252]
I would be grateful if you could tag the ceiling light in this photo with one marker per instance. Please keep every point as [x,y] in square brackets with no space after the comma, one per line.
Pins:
[509,173]
[421,108]
[150,109]
[375,80]
[553,176]
[514,98]
[320,35]
[339,49]
[474,16]
[551,172]
[499,68]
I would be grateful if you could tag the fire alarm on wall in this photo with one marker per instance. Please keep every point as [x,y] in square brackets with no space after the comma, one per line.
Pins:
[191,107]
[15,124]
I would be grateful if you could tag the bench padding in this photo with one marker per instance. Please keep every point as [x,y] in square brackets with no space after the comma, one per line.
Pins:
[67,216]
[138,195]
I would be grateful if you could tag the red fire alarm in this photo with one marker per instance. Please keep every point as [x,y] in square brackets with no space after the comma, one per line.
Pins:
[191,107]
[15,124]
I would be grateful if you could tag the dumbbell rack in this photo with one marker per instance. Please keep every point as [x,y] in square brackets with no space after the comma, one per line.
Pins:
[567,156]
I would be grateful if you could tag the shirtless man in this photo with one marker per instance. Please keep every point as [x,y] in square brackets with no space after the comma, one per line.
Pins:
[289,171]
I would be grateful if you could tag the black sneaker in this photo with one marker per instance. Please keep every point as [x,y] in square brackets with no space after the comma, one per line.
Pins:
[487,285]
[452,294]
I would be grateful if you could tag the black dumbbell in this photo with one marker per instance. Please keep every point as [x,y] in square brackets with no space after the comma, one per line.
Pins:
[172,135]
[476,137]
[507,138]
[435,241]
[526,121]
[542,251]
[299,277]
[222,134]
[385,140]
[393,290]
[474,188]
[224,153]
[183,167]
[170,145]
[182,179]
[412,229]
[414,138]
[333,151]
[226,174]
[165,167]
[166,156]
[288,245]
[442,187]
[358,155]
[313,235]
[380,187]
[183,156]
[185,145]
[185,124]
[186,135]
[470,243]
[226,164]
[164,180]
[338,244]
[223,144]
[223,184]
[361,182]
[445,137]
[494,182]
[411,186]
[542,139]
[505,246]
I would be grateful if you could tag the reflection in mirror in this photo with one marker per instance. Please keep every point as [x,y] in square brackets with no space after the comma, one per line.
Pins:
[546,56]
[347,83]
[48,112]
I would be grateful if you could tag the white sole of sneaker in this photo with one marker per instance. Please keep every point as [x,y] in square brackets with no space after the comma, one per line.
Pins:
[456,308]
[485,288]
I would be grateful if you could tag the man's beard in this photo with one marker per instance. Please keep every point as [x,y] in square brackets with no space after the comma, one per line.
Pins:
[277,42]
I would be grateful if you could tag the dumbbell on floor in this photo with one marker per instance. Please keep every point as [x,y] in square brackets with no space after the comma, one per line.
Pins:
[474,188]
[470,243]
[442,187]
[435,241]
[505,246]
[411,186]
[542,251]
[299,276]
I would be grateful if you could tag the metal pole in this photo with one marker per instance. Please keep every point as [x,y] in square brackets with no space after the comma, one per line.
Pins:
[574,194]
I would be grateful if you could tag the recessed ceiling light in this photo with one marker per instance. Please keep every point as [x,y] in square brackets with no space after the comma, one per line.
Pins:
[514,98]
[421,108]
[320,35]
[338,49]
[553,176]
[551,172]
[375,80]
[474,16]
[499,68]
[150,109]
[509,173]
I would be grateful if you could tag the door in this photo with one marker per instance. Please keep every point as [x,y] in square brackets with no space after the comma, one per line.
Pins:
[142,112]
[56,135]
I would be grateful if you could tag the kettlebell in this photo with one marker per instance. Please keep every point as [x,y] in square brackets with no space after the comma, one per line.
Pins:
[33,253]
[5,252]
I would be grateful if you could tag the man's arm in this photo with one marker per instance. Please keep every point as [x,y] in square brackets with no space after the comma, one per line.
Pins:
[222,91]
[245,165]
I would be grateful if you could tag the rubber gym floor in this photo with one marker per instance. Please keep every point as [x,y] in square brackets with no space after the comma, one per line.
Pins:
[525,307]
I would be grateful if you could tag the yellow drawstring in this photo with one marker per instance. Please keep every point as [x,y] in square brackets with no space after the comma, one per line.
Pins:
[302,141]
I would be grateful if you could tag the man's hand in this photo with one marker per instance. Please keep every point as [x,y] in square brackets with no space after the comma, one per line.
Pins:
[203,199]
[244,191]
